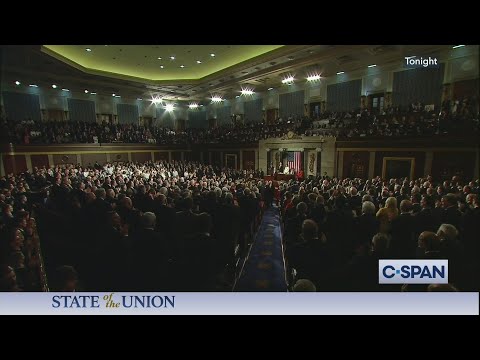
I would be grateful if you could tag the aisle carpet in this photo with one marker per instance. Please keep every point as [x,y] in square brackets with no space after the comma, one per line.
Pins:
[264,269]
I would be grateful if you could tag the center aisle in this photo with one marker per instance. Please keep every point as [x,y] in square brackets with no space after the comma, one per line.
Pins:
[264,269]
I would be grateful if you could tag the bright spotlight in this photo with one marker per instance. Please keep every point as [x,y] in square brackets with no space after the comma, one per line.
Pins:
[169,107]
[247,92]
[193,106]
[313,78]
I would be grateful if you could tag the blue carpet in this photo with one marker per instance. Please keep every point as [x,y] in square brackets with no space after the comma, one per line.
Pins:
[264,269]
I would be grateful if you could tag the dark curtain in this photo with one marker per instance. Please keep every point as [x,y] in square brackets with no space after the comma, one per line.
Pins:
[344,96]
[81,110]
[422,84]
[253,110]
[127,114]
[224,115]
[19,107]
[197,119]
[291,103]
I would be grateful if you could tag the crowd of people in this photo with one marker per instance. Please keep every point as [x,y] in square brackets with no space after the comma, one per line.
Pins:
[455,117]
[417,120]
[133,226]
[180,226]
[55,132]
[336,230]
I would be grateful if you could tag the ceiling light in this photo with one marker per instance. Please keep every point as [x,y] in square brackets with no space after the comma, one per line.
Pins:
[270,89]
[93,93]
[247,92]
[288,80]
[201,105]
[373,65]
[161,66]
[113,94]
[54,86]
[193,106]
[65,90]
[169,107]
[313,78]
[159,58]
[212,55]
[216,99]
[139,99]
[172,57]
[199,62]
[117,95]
[182,66]
[88,49]
[33,85]
[237,96]
[340,72]
[86,91]
[17,82]
[457,46]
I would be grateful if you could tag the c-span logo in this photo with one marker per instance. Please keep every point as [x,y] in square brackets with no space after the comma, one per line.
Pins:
[413,271]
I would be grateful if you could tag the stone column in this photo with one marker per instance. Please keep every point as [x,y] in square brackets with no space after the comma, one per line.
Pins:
[446,92]
[50,160]
[427,170]
[340,164]
[388,100]
[363,102]
[241,160]
[256,161]
[28,159]
[371,165]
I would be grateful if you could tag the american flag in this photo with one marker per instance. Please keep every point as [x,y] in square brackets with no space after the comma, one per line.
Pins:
[294,160]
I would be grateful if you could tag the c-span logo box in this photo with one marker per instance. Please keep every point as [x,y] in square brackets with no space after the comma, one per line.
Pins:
[413,271]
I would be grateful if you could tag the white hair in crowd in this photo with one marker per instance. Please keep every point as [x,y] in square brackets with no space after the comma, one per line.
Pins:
[447,232]
[368,207]
[149,220]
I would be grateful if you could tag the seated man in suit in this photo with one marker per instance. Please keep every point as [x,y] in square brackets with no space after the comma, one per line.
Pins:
[286,170]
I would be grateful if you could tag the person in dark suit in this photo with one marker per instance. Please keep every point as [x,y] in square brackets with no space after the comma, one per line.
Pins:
[403,242]
[311,258]
[416,206]
[451,214]
[165,216]
[149,256]
[367,224]
[425,219]
[226,223]
[293,225]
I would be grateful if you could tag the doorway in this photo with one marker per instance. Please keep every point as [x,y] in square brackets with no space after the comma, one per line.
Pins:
[315,109]
[376,102]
